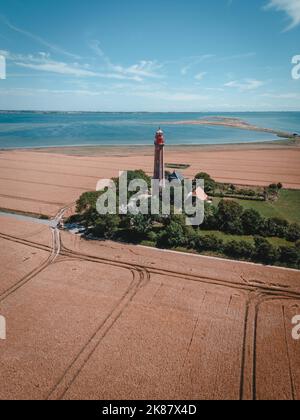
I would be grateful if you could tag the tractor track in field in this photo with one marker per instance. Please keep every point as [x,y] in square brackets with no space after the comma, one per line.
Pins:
[273,289]
[243,285]
[54,252]
[259,293]
[71,373]
[24,280]
[248,381]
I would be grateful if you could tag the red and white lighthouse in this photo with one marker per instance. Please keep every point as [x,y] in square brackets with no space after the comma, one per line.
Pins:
[159,164]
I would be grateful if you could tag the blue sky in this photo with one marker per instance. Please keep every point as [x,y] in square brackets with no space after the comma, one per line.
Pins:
[158,55]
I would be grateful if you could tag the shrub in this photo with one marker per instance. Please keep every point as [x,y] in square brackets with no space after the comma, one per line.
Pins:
[209,183]
[293,233]
[173,236]
[192,238]
[210,217]
[209,243]
[251,222]
[240,196]
[289,255]
[229,217]
[106,226]
[87,201]
[250,193]
[239,249]
[75,218]
[264,251]
[138,174]
[152,236]
[176,218]
[140,223]
[275,227]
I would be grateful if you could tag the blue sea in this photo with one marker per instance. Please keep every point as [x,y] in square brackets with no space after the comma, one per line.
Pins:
[35,130]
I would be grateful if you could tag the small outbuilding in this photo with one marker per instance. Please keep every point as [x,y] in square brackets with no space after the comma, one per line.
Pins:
[176,176]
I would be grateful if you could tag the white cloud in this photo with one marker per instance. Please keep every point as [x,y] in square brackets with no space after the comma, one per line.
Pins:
[200,76]
[212,89]
[171,96]
[290,7]
[193,61]
[58,68]
[245,85]
[280,95]
[37,39]
[43,62]
[165,95]
[143,69]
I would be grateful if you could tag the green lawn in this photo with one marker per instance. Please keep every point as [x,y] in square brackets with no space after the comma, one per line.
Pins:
[226,238]
[287,206]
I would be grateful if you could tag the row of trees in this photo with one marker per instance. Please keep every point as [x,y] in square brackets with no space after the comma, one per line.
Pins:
[172,233]
[230,217]
[177,235]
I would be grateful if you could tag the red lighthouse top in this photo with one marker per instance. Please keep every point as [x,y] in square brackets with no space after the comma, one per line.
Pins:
[159,138]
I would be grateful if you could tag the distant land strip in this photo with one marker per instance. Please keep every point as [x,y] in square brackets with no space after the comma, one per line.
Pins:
[237,123]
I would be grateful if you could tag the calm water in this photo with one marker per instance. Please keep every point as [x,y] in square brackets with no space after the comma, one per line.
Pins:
[23,130]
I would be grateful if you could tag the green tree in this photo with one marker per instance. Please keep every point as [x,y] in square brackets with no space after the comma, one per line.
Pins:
[138,174]
[152,236]
[275,227]
[209,243]
[173,236]
[293,233]
[210,217]
[229,217]
[106,226]
[131,176]
[289,256]
[210,184]
[141,224]
[239,249]
[264,251]
[251,222]
[87,201]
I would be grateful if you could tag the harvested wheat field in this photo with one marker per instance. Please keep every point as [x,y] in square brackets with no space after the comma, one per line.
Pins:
[100,320]
[45,181]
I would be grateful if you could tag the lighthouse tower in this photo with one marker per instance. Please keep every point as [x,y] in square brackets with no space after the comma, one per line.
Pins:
[159,164]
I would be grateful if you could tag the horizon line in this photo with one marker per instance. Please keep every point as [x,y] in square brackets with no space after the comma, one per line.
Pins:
[142,112]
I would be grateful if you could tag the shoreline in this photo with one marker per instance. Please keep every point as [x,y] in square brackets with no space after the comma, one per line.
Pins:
[144,149]
[283,139]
